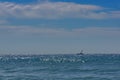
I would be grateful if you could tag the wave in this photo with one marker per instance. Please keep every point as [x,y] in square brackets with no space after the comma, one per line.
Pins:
[62,58]
[60,67]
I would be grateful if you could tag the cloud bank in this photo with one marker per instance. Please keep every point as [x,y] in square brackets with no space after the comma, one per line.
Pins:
[3,21]
[61,32]
[55,10]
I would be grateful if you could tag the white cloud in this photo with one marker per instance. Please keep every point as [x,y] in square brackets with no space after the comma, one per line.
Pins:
[25,30]
[53,10]
[99,31]
[3,21]
[89,31]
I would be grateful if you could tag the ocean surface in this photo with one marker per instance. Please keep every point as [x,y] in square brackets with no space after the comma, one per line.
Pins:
[60,67]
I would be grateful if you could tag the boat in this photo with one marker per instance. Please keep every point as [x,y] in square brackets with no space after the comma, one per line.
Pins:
[81,53]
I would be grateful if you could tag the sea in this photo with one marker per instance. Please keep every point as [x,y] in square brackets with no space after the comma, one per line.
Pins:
[60,67]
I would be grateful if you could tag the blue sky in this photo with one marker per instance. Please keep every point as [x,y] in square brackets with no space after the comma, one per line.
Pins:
[59,26]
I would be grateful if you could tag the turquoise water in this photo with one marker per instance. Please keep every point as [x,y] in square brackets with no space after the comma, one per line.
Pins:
[60,67]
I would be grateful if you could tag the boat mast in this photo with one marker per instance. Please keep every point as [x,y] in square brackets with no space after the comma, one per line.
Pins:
[81,51]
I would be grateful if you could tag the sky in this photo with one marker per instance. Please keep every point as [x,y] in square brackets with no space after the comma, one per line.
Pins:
[59,26]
